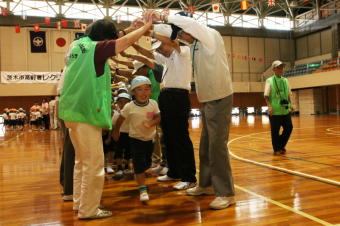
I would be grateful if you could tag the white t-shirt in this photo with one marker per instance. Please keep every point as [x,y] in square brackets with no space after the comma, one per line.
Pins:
[136,114]
[39,114]
[13,116]
[4,116]
[21,115]
[177,71]
[34,115]
[52,105]
[125,128]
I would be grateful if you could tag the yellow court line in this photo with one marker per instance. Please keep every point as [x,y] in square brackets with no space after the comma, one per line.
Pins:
[12,138]
[285,207]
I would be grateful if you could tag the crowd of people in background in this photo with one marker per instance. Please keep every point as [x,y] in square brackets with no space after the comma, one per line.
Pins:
[39,118]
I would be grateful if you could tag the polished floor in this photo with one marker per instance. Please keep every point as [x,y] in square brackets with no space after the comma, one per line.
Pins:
[300,188]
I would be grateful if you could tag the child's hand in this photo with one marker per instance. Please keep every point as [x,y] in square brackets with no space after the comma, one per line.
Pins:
[116,136]
[108,141]
[146,124]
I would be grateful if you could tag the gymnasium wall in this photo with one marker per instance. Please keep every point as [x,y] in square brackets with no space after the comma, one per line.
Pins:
[314,45]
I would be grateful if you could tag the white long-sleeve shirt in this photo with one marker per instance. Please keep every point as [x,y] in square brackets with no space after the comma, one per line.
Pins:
[211,70]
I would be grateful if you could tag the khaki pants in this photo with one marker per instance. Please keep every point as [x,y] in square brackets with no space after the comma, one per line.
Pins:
[88,179]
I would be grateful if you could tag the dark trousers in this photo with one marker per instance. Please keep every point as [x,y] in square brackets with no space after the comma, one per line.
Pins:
[46,119]
[67,165]
[175,110]
[276,121]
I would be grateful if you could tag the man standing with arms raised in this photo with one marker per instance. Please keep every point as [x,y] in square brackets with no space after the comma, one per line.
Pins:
[214,90]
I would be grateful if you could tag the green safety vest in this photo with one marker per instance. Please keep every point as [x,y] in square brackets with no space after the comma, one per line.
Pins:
[155,86]
[84,96]
[279,91]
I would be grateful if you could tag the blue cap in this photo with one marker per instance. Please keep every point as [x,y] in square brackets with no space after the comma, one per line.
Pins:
[138,81]
[123,88]
[20,109]
[115,99]
[123,95]
[176,29]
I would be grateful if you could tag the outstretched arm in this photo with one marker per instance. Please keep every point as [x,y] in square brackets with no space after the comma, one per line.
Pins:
[143,51]
[126,63]
[142,59]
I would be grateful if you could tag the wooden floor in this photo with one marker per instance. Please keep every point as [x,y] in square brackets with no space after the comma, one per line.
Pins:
[301,188]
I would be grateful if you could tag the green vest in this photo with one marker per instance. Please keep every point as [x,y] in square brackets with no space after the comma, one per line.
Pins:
[279,91]
[155,86]
[84,96]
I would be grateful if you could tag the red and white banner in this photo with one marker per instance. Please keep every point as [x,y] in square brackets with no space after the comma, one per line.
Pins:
[10,77]
[61,41]
[36,28]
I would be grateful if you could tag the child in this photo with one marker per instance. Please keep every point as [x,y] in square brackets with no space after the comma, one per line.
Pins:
[21,119]
[5,118]
[33,118]
[143,115]
[40,119]
[123,142]
[13,118]
[109,143]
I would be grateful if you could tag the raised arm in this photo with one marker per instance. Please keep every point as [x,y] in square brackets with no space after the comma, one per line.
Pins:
[142,59]
[126,63]
[166,40]
[135,24]
[143,51]
[126,41]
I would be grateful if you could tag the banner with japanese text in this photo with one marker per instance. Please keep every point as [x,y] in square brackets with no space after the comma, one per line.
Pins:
[29,77]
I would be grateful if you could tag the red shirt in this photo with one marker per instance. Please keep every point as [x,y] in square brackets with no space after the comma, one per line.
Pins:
[103,51]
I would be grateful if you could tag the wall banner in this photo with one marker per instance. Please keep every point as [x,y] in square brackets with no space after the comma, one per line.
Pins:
[29,77]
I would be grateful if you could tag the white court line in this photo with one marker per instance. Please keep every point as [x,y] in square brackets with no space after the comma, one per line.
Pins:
[12,138]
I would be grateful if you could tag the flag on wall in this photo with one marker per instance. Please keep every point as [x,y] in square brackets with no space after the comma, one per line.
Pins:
[76,24]
[148,40]
[78,35]
[245,58]
[244,5]
[118,19]
[60,41]
[38,42]
[233,55]
[271,2]
[192,10]
[239,56]
[59,25]
[64,23]
[83,27]
[17,29]
[3,11]
[260,59]
[36,28]
[24,15]
[216,8]
[166,12]
[47,20]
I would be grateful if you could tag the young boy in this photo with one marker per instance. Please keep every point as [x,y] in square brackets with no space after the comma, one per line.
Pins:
[21,118]
[13,118]
[123,143]
[143,115]
[5,118]
[33,118]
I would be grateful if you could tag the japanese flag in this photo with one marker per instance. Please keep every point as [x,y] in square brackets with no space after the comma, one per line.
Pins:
[216,8]
[83,27]
[36,27]
[17,29]
[61,41]
[148,40]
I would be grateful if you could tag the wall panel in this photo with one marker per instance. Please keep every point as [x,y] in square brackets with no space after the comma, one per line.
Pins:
[301,48]
[326,41]
[314,45]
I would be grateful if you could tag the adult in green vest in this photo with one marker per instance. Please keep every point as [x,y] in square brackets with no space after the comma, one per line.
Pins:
[277,95]
[85,106]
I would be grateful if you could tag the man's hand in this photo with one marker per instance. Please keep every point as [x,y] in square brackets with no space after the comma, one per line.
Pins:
[270,111]
[123,54]
[113,66]
[137,23]
[151,14]
[108,141]
[114,59]
[116,135]
[292,110]
[147,33]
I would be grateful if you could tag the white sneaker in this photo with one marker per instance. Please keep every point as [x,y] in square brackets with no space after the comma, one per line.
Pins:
[101,206]
[41,130]
[119,173]
[201,191]
[166,178]
[157,169]
[109,169]
[127,172]
[184,185]
[222,202]
[101,214]
[68,197]
[164,171]
[144,197]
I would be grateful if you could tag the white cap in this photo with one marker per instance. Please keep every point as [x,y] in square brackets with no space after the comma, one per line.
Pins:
[277,63]
[155,44]
[137,65]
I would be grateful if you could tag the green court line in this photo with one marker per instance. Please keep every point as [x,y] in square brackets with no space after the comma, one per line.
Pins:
[286,157]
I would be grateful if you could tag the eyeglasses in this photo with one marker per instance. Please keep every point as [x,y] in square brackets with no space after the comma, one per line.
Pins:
[280,67]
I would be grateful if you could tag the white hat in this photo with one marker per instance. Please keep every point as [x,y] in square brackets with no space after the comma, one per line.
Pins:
[277,63]
[137,65]
[155,44]
[138,81]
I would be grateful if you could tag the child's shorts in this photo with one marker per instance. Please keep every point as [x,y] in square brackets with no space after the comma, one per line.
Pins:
[141,152]
[38,122]
[6,122]
[33,123]
[111,146]
[123,145]
[13,122]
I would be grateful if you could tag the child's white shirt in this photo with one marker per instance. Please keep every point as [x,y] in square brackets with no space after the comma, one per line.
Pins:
[21,115]
[4,116]
[34,116]
[137,113]
[13,116]
[124,128]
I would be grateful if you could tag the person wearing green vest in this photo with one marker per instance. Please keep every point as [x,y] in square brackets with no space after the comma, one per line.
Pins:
[277,95]
[85,106]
